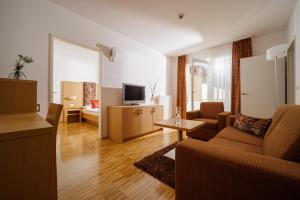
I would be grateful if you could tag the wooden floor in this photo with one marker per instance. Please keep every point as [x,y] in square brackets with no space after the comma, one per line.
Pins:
[90,168]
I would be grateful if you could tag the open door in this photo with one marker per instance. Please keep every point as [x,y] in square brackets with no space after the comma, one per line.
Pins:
[258,86]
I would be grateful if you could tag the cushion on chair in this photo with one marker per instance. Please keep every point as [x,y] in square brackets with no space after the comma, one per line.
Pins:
[210,123]
[202,133]
[236,135]
[283,141]
[211,109]
[236,145]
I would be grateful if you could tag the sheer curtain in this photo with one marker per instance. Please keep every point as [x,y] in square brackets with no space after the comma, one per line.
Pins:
[219,75]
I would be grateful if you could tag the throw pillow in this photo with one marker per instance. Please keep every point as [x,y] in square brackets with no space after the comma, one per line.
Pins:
[95,103]
[251,125]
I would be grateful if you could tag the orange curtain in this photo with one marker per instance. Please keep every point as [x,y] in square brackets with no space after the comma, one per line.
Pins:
[181,85]
[240,49]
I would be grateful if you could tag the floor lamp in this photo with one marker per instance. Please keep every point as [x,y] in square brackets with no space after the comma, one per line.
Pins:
[273,53]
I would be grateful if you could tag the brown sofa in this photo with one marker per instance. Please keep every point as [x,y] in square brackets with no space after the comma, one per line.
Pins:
[213,114]
[237,165]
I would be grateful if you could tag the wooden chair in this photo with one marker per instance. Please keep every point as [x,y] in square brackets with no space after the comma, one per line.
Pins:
[53,115]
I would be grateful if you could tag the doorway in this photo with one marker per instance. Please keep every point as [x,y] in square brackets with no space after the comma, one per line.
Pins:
[196,79]
[75,82]
[290,73]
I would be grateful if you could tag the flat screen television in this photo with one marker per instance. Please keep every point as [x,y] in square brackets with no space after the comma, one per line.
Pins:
[133,94]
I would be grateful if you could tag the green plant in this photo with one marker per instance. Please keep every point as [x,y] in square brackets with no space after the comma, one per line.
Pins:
[20,61]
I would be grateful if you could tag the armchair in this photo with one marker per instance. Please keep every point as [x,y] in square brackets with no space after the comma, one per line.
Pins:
[213,114]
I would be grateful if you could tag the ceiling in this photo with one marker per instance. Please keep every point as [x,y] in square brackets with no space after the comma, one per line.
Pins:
[206,23]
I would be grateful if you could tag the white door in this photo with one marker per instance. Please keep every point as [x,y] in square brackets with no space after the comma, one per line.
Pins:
[258,86]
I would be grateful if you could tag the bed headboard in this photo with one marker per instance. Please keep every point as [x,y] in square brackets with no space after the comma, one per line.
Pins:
[73,93]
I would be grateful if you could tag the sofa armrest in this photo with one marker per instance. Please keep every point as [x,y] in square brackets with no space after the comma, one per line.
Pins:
[222,119]
[193,114]
[230,120]
[210,171]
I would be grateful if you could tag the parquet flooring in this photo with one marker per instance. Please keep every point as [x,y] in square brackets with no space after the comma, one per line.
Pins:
[91,168]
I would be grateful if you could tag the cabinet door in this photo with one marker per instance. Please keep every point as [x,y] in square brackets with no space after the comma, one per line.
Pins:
[131,123]
[157,116]
[146,120]
[18,96]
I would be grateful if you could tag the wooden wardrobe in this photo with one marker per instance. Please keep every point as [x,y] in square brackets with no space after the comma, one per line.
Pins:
[27,145]
[18,96]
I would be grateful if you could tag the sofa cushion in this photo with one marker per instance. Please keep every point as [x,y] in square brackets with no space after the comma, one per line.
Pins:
[211,109]
[276,118]
[231,133]
[210,123]
[283,141]
[236,145]
[251,125]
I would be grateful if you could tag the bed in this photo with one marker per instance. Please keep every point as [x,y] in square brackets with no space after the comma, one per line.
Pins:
[90,115]
[81,95]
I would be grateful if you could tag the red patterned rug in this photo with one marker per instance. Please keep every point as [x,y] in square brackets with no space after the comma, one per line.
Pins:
[159,166]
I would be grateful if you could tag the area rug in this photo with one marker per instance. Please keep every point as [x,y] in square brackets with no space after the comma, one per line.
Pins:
[159,166]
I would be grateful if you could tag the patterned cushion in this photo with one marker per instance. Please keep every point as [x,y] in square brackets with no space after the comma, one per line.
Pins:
[252,125]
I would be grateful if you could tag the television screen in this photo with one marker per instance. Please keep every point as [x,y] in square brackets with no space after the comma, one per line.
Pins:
[133,93]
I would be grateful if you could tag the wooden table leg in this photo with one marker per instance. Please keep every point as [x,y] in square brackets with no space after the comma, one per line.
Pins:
[180,135]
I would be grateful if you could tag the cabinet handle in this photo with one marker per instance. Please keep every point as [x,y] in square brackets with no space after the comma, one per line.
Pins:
[139,111]
[38,107]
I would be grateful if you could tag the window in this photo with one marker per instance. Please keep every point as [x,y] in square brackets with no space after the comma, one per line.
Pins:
[210,79]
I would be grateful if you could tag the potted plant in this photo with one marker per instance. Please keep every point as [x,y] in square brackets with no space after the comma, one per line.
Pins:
[18,66]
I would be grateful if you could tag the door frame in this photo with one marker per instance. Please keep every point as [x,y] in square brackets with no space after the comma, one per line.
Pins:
[292,72]
[51,38]
[191,68]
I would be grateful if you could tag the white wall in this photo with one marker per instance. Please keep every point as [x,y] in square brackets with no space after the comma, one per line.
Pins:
[293,32]
[73,63]
[261,43]
[25,28]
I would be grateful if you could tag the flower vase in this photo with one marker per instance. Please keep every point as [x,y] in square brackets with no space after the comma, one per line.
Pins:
[17,74]
[152,99]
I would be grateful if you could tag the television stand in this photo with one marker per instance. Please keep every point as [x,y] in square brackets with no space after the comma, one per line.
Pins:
[128,122]
[133,104]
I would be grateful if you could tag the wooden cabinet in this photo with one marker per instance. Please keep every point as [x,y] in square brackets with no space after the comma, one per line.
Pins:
[157,113]
[72,115]
[146,121]
[131,123]
[18,96]
[27,157]
[127,122]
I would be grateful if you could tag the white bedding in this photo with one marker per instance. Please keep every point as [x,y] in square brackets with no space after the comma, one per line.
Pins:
[92,109]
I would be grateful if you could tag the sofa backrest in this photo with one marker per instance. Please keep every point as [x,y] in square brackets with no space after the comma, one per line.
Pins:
[211,109]
[282,139]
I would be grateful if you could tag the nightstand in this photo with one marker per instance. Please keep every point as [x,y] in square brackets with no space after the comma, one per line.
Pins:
[72,115]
